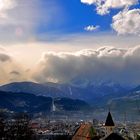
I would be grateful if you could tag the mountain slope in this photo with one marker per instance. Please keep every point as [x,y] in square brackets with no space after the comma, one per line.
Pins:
[92,93]
[31,103]
[130,102]
[34,88]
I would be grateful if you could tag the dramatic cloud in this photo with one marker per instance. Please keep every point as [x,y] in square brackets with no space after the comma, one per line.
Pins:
[107,63]
[91,28]
[9,68]
[103,6]
[127,22]
[94,65]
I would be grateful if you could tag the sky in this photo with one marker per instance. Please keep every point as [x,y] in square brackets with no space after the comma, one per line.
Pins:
[66,40]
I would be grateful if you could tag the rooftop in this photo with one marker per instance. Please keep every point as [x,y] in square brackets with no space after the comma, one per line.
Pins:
[109,120]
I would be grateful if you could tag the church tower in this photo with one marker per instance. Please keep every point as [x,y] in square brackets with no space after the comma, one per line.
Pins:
[109,124]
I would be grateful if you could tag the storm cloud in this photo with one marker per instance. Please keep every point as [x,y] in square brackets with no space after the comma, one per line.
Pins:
[106,63]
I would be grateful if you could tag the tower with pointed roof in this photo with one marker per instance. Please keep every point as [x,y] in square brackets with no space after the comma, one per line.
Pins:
[109,124]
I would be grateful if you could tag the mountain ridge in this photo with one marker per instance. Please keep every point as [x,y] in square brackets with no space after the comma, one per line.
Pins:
[27,102]
[89,93]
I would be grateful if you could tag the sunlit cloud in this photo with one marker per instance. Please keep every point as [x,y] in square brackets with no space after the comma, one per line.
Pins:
[106,63]
[127,22]
[6,5]
[119,64]
[124,22]
[103,6]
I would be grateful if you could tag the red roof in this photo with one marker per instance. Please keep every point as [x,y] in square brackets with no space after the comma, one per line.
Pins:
[85,132]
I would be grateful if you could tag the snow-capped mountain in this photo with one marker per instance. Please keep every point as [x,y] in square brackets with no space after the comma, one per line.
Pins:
[91,92]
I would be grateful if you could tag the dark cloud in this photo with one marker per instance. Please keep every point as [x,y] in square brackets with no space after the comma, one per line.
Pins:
[10,70]
[4,57]
[15,73]
[107,63]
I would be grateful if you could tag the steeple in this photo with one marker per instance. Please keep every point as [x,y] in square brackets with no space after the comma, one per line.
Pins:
[109,120]
[109,124]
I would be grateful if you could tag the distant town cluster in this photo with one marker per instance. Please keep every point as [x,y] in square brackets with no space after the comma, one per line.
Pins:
[22,126]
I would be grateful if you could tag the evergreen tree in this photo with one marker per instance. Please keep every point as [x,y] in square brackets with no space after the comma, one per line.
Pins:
[2,125]
[20,129]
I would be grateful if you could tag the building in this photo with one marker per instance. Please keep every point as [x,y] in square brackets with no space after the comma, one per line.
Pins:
[109,125]
[85,132]
[114,136]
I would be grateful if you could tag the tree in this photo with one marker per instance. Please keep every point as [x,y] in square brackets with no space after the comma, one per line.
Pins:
[20,129]
[138,137]
[2,125]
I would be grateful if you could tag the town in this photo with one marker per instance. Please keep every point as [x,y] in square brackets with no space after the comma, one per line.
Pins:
[56,127]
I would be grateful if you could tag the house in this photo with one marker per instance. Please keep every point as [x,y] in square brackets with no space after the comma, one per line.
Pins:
[114,136]
[85,132]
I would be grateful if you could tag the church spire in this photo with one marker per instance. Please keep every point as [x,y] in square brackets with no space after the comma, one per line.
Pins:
[109,124]
[109,120]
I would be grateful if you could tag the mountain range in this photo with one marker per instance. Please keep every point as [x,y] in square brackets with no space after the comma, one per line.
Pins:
[89,93]
[24,102]
[97,95]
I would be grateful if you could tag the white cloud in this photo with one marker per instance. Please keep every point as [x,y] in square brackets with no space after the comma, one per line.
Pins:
[89,1]
[103,6]
[127,22]
[106,63]
[120,3]
[91,28]
[6,5]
